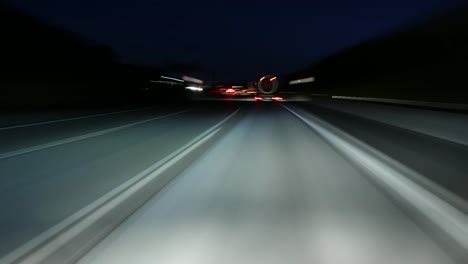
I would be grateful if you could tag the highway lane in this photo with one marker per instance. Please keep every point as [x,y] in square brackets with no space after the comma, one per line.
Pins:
[447,125]
[40,188]
[34,117]
[25,135]
[439,160]
[270,191]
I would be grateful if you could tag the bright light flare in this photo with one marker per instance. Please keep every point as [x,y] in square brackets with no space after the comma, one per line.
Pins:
[263,78]
[272,79]
[193,88]
[230,90]
[277,98]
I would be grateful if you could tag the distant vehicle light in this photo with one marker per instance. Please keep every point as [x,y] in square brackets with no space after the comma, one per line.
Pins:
[277,98]
[230,90]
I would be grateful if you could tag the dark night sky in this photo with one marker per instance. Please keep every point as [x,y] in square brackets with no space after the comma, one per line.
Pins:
[241,40]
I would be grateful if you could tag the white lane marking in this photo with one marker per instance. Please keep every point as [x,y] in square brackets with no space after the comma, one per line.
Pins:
[73,139]
[64,231]
[72,118]
[441,213]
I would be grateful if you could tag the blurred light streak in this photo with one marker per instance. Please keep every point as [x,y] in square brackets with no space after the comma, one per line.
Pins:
[305,80]
[191,79]
[166,82]
[170,78]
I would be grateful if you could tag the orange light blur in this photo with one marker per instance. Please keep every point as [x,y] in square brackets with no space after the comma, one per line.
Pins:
[277,98]
[272,79]
[230,91]
[261,79]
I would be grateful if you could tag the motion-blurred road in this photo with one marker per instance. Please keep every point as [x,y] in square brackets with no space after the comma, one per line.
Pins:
[271,189]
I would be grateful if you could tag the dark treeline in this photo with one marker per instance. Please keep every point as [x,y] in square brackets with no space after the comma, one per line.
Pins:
[44,65]
[425,62]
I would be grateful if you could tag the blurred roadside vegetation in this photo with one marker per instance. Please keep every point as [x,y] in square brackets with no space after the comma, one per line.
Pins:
[41,65]
[425,62]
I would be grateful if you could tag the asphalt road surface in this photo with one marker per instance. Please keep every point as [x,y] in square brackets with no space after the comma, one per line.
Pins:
[271,189]
[42,183]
